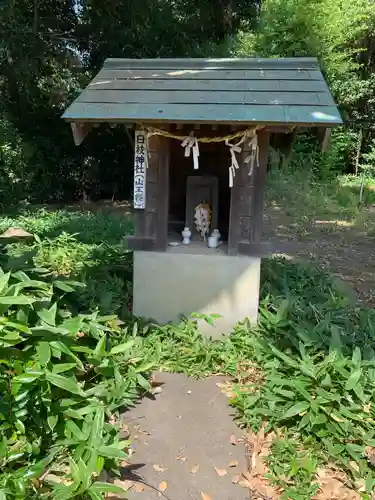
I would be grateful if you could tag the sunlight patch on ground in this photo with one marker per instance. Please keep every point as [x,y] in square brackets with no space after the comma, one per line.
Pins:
[337,222]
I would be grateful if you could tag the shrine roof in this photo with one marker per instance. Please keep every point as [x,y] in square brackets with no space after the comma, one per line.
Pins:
[262,91]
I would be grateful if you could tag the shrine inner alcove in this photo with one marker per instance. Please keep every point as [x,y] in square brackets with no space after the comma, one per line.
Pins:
[212,176]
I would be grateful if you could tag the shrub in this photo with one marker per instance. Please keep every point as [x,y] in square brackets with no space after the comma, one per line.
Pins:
[62,380]
[315,353]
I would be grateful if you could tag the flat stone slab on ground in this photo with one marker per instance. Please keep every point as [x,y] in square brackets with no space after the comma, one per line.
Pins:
[189,419]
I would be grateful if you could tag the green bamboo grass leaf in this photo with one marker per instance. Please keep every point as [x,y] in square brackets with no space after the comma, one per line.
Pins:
[68,384]
[296,410]
[17,300]
[28,377]
[60,346]
[100,487]
[4,281]
[353,379]
[122,347]
[111,452]
[63,367]
[48,315]
[94,495]
[52,421]
[43,351]
[97,427]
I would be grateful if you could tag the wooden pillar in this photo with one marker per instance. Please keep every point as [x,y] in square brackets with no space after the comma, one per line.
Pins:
[151,224]
[240,203]
[158,186]
[247,199]
[259,188]
[324,137]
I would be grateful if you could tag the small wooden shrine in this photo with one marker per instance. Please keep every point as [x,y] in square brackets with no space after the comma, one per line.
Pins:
[201,136]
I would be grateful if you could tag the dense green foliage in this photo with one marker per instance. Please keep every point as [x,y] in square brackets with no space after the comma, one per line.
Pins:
[66,370]
[50,50]
[313,351]
[62,377]
[82,245]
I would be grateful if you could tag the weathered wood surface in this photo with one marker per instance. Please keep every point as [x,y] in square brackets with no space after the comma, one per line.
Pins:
[247,195]
[266,91]
[326,140]
[260,178]
[99,83]
[138,243]
[160,146]
[261,249]
[208,113]
[211,74]
[151,224]
[240,203]
[240,63]
[205,97]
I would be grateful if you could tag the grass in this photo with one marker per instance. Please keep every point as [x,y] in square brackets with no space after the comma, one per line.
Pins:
[305,199]
[313,350]
[82,245]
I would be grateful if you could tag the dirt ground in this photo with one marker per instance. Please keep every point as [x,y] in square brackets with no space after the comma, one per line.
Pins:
[342,247]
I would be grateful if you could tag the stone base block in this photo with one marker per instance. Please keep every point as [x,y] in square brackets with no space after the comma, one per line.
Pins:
[169,284]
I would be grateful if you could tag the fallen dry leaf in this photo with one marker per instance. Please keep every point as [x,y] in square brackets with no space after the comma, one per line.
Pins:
[370,454]
[195,469]
[146,433]
[181,458]
[332,485]
[235,479]
[138,487]
[233,440]
[221,472]
[159,468]
[53,478]
[233,463]
[250,377]
[205,496]
[226,388]
[244,483]
[163,486]
[124,463]
[257,448]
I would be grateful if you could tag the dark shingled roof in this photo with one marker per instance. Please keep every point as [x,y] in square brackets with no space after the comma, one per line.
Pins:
[264,91]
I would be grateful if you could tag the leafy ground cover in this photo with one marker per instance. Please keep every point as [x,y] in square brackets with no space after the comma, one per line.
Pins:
[80,244]
[62,379]
[306,374]
[65,369]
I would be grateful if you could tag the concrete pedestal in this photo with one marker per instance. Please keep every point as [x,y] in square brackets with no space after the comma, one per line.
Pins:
[185,280]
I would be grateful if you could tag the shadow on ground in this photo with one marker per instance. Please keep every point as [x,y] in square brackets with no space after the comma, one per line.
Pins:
[326,225]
